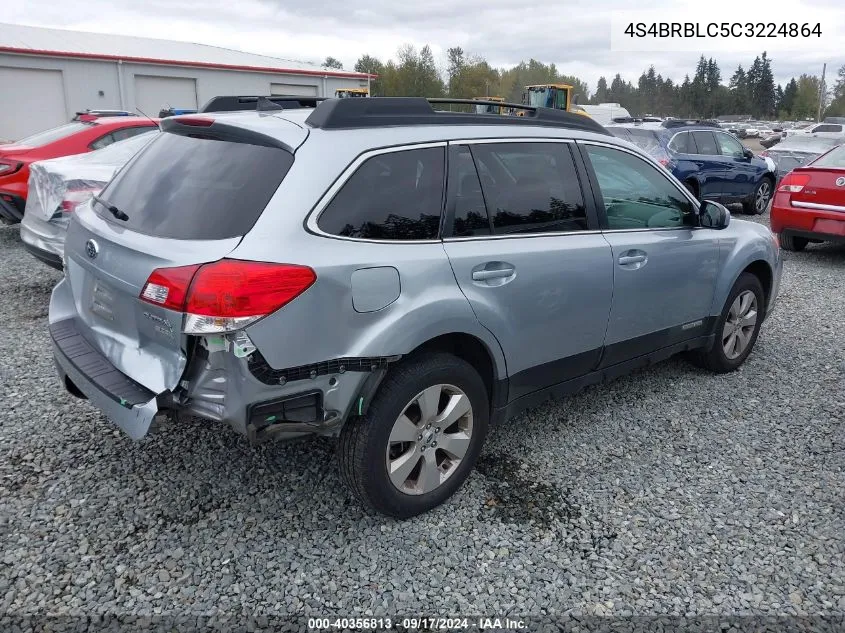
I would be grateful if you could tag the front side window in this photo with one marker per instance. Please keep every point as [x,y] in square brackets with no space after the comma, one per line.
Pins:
[729,146]
[392,196]
[705,143]
[530,187]
[635,194]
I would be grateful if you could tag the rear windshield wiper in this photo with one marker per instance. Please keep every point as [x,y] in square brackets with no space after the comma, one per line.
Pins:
[117,213]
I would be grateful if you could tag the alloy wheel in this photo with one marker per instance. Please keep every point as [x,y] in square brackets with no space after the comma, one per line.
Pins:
[763,195]
[739,326]
[429,439]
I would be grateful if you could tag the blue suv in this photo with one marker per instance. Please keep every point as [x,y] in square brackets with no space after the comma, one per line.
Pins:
[710,162]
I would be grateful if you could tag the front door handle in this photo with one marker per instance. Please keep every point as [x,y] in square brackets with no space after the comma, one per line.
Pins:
[624,260]
[484,275]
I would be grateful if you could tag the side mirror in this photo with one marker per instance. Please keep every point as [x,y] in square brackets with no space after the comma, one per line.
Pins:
[747,153]
[712,215]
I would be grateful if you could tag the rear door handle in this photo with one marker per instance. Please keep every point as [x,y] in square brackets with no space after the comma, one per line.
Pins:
[484,275]
[624,260]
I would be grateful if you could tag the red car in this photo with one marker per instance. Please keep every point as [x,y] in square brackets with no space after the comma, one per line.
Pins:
[809,205]
[77,137]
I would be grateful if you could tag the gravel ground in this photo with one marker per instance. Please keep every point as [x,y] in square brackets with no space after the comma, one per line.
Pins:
[670,491]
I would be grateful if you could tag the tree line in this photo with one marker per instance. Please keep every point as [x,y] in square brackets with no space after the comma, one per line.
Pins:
[749,90]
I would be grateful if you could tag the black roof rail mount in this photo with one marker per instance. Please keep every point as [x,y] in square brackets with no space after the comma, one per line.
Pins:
[690,122]
[234,103]
[342,114]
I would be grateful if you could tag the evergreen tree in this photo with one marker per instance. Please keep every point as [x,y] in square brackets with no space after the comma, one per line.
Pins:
[739,92]
[787,103]
[601,91]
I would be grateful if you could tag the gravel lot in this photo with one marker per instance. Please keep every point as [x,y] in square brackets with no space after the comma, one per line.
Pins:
[670,491]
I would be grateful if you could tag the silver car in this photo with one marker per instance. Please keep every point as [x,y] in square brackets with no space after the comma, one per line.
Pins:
[59,185]
[396,276]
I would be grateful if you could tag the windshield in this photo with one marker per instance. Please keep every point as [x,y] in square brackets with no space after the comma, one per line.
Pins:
[51,136]
[834,158]
[190,188]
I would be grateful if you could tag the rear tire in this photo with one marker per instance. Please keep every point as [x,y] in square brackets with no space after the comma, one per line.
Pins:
[760,199]
[735,333]
[397,458]
[792,243]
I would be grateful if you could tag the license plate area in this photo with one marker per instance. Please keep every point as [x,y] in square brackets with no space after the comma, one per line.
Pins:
[102,300]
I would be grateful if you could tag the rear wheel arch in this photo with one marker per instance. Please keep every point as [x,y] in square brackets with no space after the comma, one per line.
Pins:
[471,349]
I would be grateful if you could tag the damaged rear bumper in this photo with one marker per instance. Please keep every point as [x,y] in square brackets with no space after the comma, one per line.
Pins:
[221,383]
[126,403]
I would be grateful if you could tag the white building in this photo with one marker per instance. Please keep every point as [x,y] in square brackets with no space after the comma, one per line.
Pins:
[47,75]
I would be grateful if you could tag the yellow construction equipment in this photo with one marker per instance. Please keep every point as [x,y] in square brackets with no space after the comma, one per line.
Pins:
[351,93]
[557,96]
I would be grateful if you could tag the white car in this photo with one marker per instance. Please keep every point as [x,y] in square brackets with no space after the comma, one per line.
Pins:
[59,185]
[823,130]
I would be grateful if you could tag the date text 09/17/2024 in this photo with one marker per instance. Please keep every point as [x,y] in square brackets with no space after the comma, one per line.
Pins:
[421,623]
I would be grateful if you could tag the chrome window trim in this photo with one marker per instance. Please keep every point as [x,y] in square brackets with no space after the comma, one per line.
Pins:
[515,139]
[511,236]
[315,213]
[819,206]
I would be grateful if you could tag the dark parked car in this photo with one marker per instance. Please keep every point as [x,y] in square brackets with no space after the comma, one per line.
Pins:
[713,164]
[795,151]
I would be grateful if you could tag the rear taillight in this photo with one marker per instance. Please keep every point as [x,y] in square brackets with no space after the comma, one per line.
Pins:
[73,199]
[228,294]
[197,121]
[793,183]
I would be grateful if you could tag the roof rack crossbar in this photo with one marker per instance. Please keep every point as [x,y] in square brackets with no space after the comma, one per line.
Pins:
[338,114]
[690,122]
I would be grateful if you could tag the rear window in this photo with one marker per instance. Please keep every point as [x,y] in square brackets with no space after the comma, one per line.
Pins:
[199,189]
[647,141]
[392,196]
[51,136]
[834,158]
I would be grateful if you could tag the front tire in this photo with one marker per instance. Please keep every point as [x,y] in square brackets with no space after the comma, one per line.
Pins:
[737,327]
[760,199]
[792,243]
[420,437]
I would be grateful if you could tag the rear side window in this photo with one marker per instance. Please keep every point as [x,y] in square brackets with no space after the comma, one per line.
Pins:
[200,189]
[682,144]
[530,187]
[56,134]
[392,196]
[706,143]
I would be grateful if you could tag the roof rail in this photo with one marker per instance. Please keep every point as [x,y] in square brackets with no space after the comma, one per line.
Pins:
[690,122]
[234,103]
[339,114]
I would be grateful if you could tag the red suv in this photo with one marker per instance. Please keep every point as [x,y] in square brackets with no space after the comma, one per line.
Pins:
[77,137]
[809,205]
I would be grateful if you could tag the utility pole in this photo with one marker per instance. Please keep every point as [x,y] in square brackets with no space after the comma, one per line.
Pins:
[821,94]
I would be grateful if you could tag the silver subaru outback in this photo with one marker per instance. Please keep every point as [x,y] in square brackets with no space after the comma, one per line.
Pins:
[394,275]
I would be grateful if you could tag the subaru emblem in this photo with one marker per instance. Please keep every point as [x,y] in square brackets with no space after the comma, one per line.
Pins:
[840,182]
[91,249]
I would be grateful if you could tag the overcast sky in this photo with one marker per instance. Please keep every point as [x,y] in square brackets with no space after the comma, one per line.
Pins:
[573,35]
